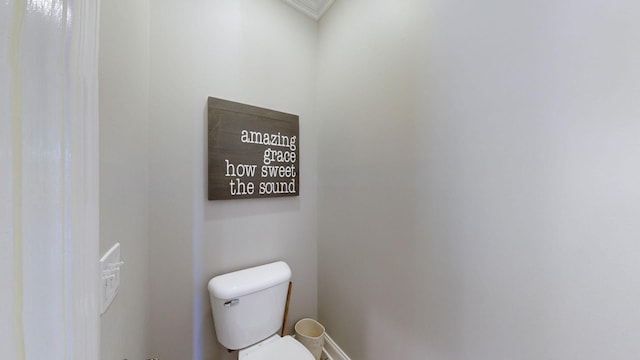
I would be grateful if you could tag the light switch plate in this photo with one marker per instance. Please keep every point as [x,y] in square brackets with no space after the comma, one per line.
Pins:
[110,265]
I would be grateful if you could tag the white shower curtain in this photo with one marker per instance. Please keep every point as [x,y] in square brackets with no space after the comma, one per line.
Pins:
[48,179]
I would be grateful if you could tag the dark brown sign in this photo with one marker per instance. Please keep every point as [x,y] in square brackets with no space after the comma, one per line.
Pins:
[253,152]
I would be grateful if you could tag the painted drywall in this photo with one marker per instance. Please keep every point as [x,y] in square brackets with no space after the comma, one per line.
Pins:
[478,179]
[124,183]
[48,186]
[260,53]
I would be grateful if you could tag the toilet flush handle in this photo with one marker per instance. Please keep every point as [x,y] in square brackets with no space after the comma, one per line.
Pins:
[231,302]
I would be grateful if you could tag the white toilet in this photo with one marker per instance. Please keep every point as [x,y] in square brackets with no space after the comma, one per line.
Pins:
[248,306]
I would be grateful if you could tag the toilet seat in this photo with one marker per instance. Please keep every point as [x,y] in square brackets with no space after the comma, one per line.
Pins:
[276,348]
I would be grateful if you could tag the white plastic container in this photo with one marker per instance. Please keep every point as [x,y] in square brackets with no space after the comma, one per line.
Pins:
[311,334]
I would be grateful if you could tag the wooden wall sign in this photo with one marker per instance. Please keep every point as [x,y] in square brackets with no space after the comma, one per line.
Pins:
[253,152]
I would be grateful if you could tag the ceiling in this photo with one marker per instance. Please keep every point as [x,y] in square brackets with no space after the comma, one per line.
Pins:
[312,8]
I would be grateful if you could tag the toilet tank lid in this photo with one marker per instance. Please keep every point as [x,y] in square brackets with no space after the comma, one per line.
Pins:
[247,281]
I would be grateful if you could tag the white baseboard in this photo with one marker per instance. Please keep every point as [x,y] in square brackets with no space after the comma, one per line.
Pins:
[331,350]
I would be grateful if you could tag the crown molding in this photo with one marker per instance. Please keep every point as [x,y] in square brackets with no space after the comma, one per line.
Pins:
[312,8]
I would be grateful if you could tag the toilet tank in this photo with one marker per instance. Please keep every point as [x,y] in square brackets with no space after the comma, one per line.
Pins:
[248,305]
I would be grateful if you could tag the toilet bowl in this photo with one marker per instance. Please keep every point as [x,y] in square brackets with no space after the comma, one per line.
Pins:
[276,347]
[248,307]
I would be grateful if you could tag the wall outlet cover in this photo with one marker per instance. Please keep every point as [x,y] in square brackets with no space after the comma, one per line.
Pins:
[110,265]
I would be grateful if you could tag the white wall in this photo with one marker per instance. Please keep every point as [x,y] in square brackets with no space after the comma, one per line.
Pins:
[124,184]
[256,52]
[478,179]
